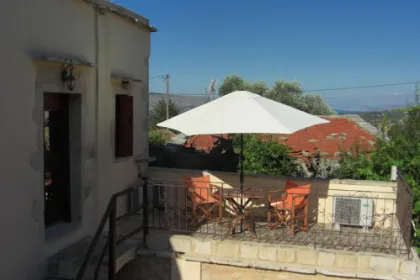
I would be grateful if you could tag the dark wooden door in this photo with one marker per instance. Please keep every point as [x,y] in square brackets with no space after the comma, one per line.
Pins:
[56,159]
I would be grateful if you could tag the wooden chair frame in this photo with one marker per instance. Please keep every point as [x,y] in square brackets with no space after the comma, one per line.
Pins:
[293,214]
[205,198]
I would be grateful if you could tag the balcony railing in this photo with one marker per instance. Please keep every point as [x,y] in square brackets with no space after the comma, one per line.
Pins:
[335,218]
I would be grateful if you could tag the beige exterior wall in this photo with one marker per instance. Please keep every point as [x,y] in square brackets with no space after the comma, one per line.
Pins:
[225,272]
[65,28]
[322,191]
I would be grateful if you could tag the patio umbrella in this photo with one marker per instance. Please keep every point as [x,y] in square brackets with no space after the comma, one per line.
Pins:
[242,112]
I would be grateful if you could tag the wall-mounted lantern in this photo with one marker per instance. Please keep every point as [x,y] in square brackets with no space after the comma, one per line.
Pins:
[68,78]
[125,84]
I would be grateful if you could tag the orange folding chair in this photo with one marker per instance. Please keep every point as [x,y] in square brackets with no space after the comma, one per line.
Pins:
[205,197]
[289,207]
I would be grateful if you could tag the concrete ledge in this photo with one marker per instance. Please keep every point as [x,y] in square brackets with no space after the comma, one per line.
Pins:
[295,259]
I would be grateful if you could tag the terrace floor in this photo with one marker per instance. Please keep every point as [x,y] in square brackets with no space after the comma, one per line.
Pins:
[381,240]
[319,235]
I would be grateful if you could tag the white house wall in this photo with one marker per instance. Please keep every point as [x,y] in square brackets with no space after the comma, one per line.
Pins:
[62,28]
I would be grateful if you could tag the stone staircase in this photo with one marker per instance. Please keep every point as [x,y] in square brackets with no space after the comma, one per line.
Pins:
[66,264]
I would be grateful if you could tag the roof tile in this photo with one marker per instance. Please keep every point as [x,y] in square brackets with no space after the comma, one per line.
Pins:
[319,137]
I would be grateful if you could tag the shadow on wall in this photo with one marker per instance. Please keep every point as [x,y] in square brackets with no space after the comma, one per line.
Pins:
[221,157]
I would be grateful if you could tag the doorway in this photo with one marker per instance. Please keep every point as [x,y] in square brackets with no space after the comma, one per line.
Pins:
[57,190]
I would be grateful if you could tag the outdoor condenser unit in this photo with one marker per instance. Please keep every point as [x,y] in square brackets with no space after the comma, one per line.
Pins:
[353,211]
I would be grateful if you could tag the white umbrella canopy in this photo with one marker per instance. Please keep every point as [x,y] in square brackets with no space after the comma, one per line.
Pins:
[242,112]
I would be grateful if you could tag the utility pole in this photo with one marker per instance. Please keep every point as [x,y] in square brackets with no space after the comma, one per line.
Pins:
[166,79]
[417,94]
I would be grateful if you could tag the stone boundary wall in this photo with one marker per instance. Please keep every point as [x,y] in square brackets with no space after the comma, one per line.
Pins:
[296,259]
[178,173]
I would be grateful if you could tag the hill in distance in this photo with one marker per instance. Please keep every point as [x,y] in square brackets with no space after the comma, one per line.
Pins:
[183,102]
[347,112]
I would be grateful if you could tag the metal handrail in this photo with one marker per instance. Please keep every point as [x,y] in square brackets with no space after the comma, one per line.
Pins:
[112,241]
[95,240]
[101,258]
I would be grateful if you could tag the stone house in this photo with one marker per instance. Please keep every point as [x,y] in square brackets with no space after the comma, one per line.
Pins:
[74,105]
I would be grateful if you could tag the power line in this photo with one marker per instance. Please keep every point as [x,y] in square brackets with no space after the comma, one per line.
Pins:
[331,89]
[360,87]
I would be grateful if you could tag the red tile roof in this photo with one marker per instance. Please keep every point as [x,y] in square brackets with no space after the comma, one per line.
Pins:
[340,132]
[203,142]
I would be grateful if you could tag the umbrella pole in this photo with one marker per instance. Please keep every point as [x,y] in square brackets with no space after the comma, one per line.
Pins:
[241,176]
[242,163]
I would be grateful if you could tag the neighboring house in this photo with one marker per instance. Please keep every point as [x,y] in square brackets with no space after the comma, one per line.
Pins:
[342,132]
[67,144]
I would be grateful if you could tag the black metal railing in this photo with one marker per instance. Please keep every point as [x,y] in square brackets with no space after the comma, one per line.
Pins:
[334,217]
[134,207]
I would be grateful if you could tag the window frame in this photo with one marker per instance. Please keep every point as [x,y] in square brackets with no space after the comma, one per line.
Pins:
[124,119]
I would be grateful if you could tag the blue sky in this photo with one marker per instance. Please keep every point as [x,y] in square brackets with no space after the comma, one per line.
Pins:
[322,44]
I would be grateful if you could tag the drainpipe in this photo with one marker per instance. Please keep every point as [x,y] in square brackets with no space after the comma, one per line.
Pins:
[98,12]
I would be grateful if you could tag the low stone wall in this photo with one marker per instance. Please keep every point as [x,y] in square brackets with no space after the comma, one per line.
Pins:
[294,259]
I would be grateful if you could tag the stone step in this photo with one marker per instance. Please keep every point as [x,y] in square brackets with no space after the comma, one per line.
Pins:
[126,252]
[127,225]
[66,264]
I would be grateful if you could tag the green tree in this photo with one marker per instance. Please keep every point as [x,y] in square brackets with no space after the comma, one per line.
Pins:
[158,113]
[258,88]
[289,93]
[232,83]
[265,156]
[158,138]
[399,146]
[315,105]
[403,150]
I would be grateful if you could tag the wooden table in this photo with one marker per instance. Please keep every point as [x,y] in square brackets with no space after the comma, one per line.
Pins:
[241,210]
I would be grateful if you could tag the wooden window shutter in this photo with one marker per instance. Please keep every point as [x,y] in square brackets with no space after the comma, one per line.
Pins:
[123,126]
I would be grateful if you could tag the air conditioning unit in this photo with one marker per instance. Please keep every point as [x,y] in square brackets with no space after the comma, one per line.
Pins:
[353,211]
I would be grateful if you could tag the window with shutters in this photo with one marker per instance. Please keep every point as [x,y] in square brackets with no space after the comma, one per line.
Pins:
[123,126]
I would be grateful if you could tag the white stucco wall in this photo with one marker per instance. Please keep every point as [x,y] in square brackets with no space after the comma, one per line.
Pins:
[62,28]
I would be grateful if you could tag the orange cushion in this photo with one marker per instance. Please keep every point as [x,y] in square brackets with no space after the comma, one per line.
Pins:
[296,195]
[199,188]
[290,184]
[305,189]
[202,182]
